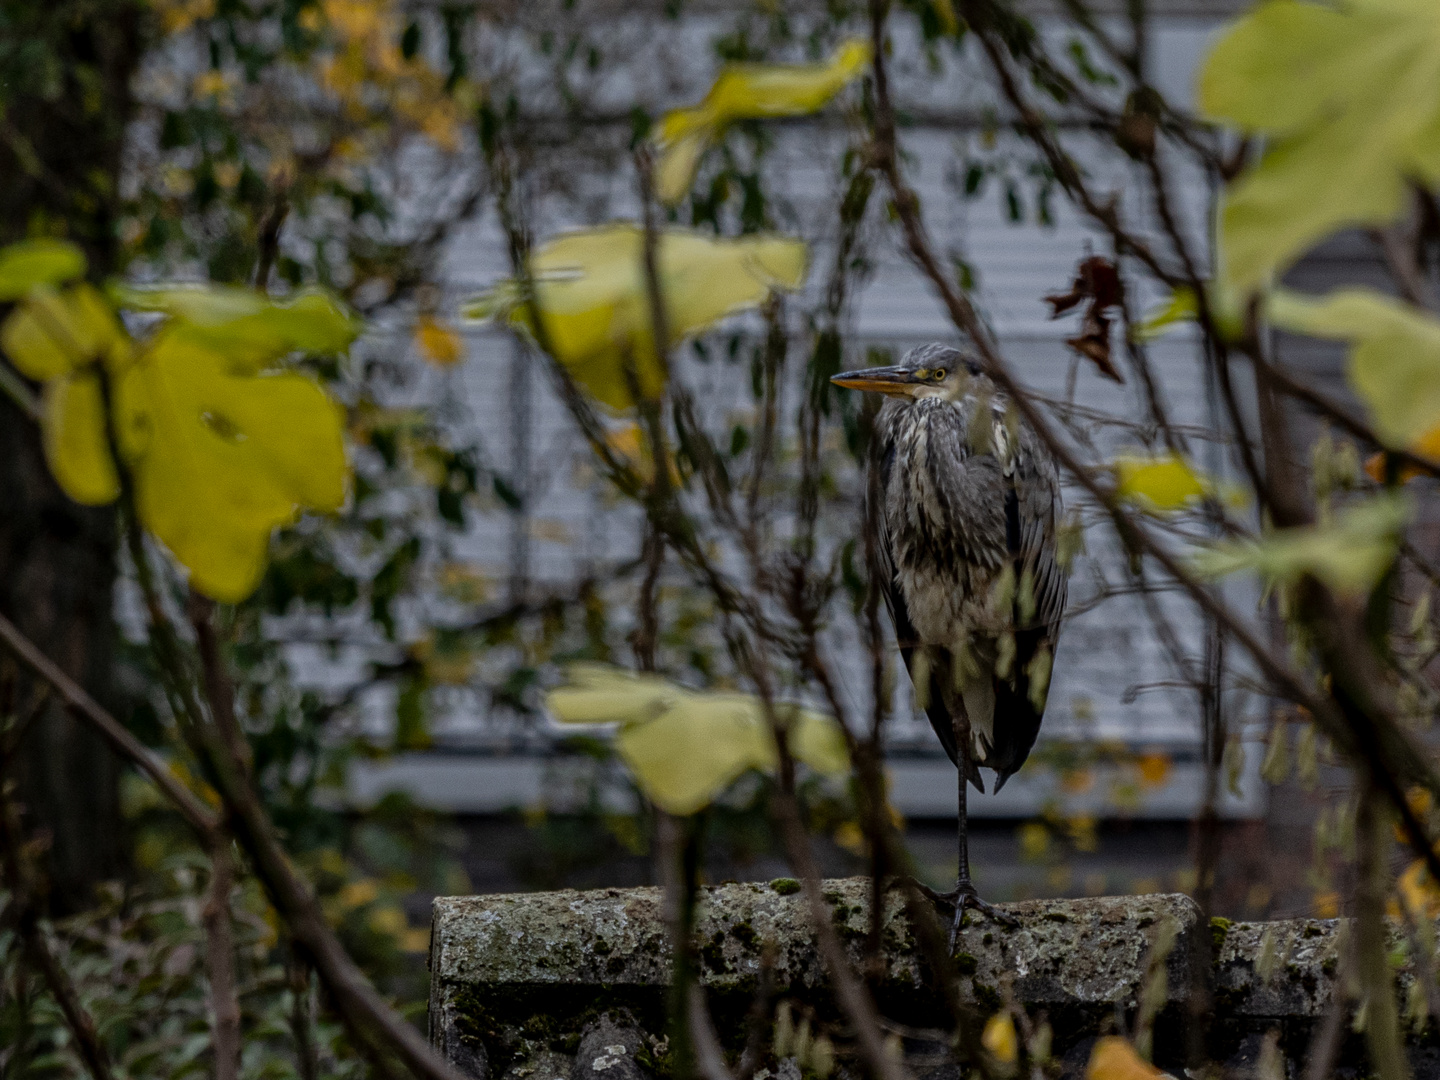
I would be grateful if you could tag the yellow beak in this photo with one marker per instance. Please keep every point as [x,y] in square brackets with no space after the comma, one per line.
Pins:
[879,380]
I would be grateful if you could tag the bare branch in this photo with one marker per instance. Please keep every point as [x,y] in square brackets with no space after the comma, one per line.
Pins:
[85,707]
[220,962]
[370,1019]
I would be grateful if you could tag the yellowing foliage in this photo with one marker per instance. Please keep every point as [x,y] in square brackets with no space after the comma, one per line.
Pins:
[1344,95]
[594,305]
[31,263]
[1349,554]
[1113,1058]
[684,747]
[1154,768]
[1418,892]
[438,342]
[748,91]
[1158,483]
[1394,362]
[179,15]
[366,64]
[1000,1039]
[220,445]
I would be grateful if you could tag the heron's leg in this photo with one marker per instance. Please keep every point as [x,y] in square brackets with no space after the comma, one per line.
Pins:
[966,895]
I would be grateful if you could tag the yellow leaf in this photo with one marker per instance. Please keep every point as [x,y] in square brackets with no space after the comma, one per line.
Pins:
[446,660]
[628,441]
[1345,94]
[684,747]
[1418,891]
[29,263]
[592,297]
[1394,362]
[999,1038]
[463,584]
[221,459]
[1180,308]
[1113,1058]
[1158,483]
[210,84]
[749,91]
[51,332]
[1348,554]
[1034,840]
[1154,768]
[389,921]
[1428,446]
[354,894]
[437,342]
[245,327]
[599,694]
[692,752]
[945,16]
[76,447]
[177,15]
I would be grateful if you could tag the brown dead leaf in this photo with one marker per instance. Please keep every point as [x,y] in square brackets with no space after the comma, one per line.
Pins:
[1097,280]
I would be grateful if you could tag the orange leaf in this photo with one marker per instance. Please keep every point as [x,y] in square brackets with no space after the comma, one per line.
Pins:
[1375,466]
[1115,1059]
[437,342]
[1154,768]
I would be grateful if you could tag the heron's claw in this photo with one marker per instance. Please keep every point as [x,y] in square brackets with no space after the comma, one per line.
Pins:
[963,897]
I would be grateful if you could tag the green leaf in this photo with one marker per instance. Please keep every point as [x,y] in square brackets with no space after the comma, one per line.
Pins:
[1394,362]
[1345,94]
[1348,554]
[37,262]
[1179,309]
[685,747]
[246,327]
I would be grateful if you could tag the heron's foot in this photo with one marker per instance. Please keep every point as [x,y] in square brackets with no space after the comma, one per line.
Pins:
[964,897]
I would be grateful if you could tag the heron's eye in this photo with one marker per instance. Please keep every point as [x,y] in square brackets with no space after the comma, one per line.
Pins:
[939,375]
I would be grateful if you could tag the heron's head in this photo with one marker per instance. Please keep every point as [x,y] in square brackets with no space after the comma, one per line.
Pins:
[933,370]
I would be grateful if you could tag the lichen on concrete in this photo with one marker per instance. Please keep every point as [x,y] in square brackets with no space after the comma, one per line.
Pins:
[524,986]
[500,964]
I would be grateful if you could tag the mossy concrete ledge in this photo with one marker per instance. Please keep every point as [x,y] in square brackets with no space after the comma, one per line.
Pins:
[555,986]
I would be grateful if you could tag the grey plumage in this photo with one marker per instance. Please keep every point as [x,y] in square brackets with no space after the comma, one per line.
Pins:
[967,517]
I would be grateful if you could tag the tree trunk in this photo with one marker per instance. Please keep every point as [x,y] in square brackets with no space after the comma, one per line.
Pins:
[65,103]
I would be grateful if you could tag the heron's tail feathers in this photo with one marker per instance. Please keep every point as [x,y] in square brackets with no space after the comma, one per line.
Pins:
[972,773]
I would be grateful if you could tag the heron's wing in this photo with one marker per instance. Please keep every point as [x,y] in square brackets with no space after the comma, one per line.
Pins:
[1032,506]
[905,634]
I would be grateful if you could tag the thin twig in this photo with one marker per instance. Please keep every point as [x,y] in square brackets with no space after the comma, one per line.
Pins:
[18,391]
[85,707]
[297,973]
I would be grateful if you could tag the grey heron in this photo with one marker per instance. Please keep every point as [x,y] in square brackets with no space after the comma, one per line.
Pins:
[966,521]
